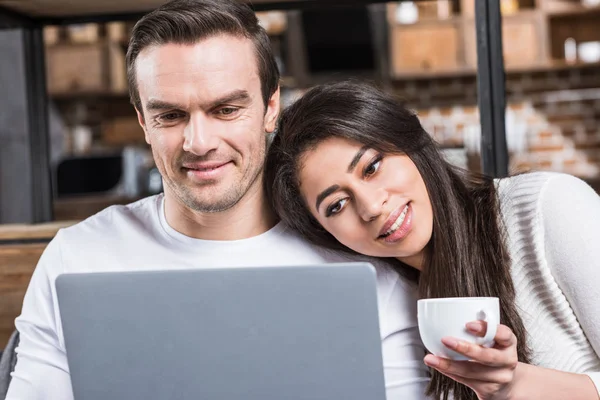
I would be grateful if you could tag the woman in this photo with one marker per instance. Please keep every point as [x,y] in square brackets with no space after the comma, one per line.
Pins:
[352,169]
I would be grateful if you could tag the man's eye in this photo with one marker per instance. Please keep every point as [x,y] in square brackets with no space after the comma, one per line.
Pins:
[335,208]
[169,117]
[228,111]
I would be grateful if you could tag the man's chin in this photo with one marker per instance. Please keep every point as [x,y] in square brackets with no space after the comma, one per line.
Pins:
[212,204]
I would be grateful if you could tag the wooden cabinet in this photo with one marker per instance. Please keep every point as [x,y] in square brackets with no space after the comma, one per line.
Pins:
[446,45]
[433,47]
[522,38]
[94,67]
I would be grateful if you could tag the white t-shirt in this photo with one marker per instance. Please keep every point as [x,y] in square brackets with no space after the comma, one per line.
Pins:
[137,237]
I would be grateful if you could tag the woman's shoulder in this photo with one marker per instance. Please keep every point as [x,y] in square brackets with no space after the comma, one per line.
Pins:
[529,180]
[532,187]
[543,201]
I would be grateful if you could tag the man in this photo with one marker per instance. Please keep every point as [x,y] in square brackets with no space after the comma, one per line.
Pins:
[204,84]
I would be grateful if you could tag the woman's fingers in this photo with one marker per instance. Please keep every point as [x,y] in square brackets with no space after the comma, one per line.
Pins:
[493,357]
[504,335]
[470,371]
[483,389]
[477,328]
[489,371]
[504,338]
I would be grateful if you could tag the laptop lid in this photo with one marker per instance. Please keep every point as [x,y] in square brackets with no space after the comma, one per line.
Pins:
[252,333]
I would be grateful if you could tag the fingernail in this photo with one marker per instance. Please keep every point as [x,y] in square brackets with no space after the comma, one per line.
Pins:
[432,361]
[450,342]
[474,326]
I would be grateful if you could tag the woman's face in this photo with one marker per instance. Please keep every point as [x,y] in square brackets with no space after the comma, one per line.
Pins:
[373,203]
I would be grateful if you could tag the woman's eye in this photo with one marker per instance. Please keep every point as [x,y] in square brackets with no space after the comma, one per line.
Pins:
[372,167]
[336,207]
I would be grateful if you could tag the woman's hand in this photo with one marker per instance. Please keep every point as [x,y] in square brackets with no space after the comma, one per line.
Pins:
[492,372]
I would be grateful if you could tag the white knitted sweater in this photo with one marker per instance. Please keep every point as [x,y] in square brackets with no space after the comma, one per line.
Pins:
[553,226]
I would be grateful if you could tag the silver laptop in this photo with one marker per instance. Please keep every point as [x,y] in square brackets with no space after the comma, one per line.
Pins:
[253,333]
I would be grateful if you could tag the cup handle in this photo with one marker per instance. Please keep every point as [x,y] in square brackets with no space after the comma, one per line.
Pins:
[492,327]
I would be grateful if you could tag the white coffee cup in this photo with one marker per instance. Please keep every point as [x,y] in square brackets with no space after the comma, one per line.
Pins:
[447,317]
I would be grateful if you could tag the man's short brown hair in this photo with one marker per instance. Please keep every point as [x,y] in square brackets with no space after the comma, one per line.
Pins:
[190,21]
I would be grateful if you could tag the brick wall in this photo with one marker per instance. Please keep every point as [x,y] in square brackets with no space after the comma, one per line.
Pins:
[552,119]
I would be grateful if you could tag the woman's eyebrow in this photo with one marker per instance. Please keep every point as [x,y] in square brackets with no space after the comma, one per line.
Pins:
[357,158]
[323,195]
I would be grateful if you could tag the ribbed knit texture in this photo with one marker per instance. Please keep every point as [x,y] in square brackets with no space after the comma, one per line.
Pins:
[554,333]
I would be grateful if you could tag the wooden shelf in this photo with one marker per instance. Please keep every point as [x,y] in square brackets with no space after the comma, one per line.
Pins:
[88,95]
[290,83]
[18,232]
[286,82]
[462,21]
[576,11]
[65,9]
[419,75]
[559,65]
[78,208]
[432,20]
[556,65]
[522,13]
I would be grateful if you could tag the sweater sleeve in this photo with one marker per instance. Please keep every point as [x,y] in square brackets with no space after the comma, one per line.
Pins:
[570,214]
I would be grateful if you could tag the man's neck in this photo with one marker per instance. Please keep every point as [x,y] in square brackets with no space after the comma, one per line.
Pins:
[252,216]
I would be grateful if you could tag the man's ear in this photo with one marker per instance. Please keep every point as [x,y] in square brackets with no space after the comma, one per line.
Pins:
[273,108]
[142,123]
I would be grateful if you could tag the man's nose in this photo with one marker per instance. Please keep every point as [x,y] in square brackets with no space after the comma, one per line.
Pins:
[199,139]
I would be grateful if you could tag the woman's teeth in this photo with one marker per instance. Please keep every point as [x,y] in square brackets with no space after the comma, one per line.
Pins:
[398,222]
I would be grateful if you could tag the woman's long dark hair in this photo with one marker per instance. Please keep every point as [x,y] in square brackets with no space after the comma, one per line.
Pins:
[466,255]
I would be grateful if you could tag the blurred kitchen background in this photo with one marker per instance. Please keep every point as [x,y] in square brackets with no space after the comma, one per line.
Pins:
[425,52]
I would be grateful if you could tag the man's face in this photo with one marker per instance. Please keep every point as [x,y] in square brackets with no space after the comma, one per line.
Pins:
[205,119]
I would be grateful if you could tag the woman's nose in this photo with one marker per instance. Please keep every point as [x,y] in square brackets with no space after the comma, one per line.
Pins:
[370,204]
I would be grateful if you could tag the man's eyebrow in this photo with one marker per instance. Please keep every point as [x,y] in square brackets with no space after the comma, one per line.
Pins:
[235,96]
[323,195]
[157,105]
[357,158]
